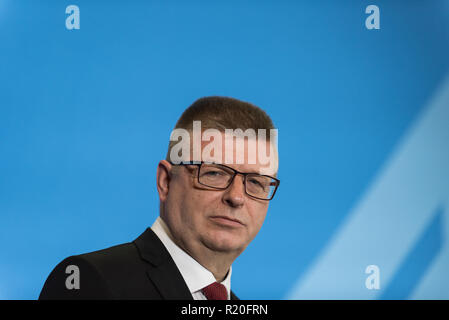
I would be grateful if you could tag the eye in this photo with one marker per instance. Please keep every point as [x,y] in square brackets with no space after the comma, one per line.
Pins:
[256,183]
[214,173]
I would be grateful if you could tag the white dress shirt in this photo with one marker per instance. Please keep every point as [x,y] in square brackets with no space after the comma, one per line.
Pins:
[195,275]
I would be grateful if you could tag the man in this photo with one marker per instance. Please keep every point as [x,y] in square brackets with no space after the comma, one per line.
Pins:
[214,197]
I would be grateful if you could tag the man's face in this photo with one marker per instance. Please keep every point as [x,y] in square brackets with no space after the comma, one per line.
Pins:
[221,220]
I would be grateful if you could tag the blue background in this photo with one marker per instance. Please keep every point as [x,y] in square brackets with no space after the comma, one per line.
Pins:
[85,116]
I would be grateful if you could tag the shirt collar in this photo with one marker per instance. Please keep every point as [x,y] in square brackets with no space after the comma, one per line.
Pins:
[195,275]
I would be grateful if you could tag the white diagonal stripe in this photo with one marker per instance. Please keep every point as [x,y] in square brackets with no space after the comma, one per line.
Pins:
[389,218]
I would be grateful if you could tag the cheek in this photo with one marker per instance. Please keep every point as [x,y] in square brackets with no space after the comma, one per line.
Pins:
[258,214]
[195,205]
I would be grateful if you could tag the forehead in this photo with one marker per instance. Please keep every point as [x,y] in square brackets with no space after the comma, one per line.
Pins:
[246,154]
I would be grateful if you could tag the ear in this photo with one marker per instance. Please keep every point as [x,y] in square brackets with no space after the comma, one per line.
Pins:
[163,177]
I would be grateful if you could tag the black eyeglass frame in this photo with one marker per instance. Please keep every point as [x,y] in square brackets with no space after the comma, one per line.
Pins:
[236,172]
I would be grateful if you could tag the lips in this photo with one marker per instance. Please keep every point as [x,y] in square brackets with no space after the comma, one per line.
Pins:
[227,221]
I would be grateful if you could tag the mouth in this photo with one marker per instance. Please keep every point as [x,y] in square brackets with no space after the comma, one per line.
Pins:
[227,221]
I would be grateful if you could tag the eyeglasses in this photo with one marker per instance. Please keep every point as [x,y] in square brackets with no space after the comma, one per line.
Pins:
[220,177]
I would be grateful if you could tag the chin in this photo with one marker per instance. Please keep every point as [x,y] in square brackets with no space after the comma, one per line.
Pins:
[225,243]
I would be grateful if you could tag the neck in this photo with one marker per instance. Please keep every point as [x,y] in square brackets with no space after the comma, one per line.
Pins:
[217,262]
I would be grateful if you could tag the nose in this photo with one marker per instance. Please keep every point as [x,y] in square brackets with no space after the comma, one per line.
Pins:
[234,195]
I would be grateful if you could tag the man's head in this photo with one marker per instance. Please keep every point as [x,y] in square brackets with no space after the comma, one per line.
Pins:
[222,220]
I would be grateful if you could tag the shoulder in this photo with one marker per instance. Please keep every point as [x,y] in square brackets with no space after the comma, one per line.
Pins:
[76,277]
[112,260]
[112,273]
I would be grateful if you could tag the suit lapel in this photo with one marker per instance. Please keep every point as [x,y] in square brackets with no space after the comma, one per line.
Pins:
[161,268]
[233,296]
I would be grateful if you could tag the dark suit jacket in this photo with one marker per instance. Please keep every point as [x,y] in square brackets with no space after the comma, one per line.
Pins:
[142,269]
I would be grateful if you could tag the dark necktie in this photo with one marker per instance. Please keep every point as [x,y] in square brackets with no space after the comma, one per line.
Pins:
[215,291]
